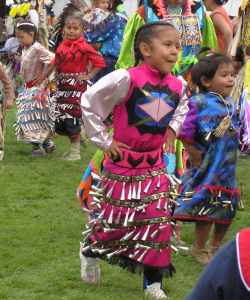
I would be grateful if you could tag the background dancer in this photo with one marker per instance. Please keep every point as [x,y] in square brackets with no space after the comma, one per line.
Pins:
[71,61]
[35,114]
[210,135]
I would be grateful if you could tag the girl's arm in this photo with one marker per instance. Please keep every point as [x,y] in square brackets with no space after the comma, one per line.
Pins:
[44,74]
[195,155]
[91,74]
[179,116]
[220,22]
[9,92]
[97,103]
[46,57]
[187,135]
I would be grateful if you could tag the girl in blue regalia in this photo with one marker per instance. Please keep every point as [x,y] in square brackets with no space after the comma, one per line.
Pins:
[210,136]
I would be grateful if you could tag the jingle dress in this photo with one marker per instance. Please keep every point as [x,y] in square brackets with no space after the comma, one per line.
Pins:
[210,194]
[71,60]
[35,121]
[133,226]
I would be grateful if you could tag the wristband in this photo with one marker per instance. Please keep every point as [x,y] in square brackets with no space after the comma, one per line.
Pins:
[90,76]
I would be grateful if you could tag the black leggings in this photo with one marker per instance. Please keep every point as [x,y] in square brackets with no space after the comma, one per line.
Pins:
[153,274]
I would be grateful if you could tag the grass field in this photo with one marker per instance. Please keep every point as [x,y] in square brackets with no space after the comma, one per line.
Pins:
[41,225]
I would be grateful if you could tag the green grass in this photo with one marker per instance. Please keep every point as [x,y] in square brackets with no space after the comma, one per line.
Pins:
[41,225]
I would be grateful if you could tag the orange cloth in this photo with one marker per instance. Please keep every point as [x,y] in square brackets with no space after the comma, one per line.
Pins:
[217,31]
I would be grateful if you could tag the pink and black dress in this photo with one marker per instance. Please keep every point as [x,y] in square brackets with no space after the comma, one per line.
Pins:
[71,60]
[134,224]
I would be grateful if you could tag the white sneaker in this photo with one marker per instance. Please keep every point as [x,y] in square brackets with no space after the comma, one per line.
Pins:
[90,270]
[154,290]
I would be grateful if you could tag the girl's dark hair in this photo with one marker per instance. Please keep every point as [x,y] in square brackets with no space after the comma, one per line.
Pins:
[145,34]
[114,7]
[28,27]
[207,66]
[75,17]
[221,2]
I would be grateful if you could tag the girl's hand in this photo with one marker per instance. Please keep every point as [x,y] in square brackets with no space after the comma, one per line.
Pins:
[38,80]
[170,143]
[195,157]
[114,151]
[9,104]
[97,45]
[83,77]
[47,82]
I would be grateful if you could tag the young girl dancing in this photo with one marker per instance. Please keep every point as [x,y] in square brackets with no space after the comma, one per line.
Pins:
[71,61]
[35,113]
[210,136]
[149,108]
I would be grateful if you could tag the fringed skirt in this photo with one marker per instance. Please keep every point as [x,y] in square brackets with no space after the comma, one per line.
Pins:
[35,121]
[134,224]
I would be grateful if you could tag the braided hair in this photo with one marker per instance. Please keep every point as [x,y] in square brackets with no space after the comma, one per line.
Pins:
[145,34]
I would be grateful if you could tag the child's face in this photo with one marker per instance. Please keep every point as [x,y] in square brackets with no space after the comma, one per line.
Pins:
[163,50]
[207,4]
[26,39]
[103,4]
[223,81]
[73,30]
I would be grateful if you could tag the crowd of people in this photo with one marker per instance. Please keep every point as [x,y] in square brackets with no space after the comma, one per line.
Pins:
[159,84]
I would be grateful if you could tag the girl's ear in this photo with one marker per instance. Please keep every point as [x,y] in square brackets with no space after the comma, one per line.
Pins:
[205,81]
[145,49]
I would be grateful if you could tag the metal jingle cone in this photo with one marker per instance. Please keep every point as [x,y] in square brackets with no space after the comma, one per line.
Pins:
[176,204]
[91,193]
[128,235]
[126,218]
[96,177]
[136,237]
[140,246]
[109,194]
[134,192]
[138,196]
[118,252]
[146,233]
[158,207]
[110,219]
[105,223]
[118,216]
[101,215]
[178,181]
[86,231]
[109,255]
[123,191]
[96,189]
[85,249]
[131,218]
[148,186]
[106,230]
[88,211]
[142,256]
[165,208]
[130,192]
[158,182]
[102,251]
[133,255]
[174,249]
[97,200]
